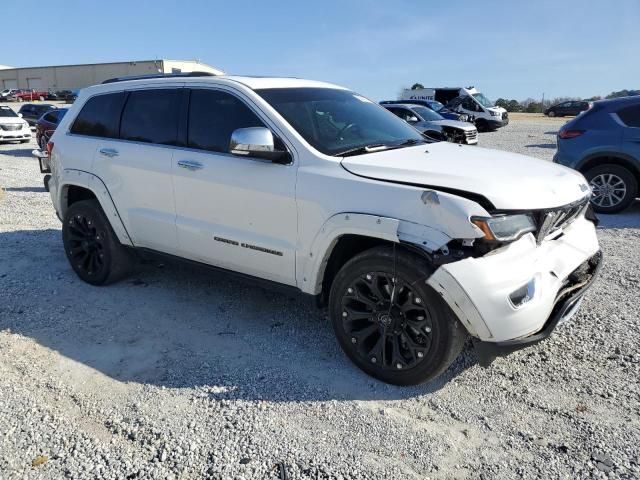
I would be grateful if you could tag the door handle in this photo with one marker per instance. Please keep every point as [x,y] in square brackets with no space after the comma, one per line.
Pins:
[190,165]
[109,152]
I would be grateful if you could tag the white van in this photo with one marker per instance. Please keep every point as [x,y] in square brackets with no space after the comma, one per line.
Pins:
[464,100]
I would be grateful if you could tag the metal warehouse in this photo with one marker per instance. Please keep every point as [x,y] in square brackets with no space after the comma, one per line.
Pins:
[73,77]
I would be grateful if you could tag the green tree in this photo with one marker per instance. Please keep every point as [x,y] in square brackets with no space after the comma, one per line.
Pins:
[417,86]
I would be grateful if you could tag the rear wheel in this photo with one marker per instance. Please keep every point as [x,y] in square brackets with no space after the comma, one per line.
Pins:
[91,246]
[552,113]
[389,322]
[614,188]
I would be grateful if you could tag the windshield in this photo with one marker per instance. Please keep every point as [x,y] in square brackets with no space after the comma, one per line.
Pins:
[334,121]
[427,114]
[7,112]
[436,105]
[482,100]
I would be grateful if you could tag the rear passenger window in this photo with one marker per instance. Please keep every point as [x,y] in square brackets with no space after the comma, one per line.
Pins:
[51,117]
[100,116]
[630,116]
[151,116]
[213,116]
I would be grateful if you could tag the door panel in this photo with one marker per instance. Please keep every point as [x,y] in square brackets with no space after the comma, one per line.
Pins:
[138,177]
[233,212]
[237,213]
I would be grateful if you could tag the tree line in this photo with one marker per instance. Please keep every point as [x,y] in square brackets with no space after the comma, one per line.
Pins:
[531,105]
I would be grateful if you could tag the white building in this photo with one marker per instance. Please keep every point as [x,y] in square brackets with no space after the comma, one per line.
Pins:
[73,77]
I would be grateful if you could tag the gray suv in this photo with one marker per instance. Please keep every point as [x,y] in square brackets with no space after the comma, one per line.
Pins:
[604,144]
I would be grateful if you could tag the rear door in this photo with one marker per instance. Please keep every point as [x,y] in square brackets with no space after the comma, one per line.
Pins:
[234,212]
[135,164]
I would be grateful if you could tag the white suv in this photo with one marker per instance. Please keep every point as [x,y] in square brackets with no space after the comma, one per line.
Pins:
[411,245]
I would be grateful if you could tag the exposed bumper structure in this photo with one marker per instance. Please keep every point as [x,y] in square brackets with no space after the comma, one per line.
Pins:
[517,294]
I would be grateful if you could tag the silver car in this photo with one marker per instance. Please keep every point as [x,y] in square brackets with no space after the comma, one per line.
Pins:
[435,125]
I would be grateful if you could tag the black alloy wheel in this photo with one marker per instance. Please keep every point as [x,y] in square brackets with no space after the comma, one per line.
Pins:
[91,246]
[388,319]
[86,245]
[387,322]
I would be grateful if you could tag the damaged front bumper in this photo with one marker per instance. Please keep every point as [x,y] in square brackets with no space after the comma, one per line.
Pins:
[517,295]
[567,304]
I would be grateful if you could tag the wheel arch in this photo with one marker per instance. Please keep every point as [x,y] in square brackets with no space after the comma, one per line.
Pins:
[77,186]
[602,158]
[345,235]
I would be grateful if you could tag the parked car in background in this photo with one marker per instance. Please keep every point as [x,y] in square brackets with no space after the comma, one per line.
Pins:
[433,124]
[572,107]
[13,127]
[67,96]
[28,95]
[469,101]
[46,125]
[604,144]
[436,107]
[31,112]
[6,93]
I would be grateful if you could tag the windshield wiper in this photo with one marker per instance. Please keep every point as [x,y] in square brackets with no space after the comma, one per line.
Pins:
[376,147]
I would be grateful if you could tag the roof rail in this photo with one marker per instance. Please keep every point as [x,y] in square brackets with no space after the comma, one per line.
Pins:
[159,75]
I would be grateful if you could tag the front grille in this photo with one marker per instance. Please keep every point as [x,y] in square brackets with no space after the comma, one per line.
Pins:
[552,220]
[471,134]
[9,127]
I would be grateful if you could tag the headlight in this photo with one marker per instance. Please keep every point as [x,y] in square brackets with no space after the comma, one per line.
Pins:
[494,113]
[463,118]
[505,228]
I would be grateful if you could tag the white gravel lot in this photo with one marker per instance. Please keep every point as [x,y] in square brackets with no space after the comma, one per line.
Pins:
[184,373]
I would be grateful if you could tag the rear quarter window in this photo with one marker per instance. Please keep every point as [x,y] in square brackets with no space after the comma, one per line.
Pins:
[100,116]
[630,116]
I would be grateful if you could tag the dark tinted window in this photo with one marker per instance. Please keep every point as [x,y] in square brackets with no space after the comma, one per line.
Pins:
[100,116]
[213,116]
[151,116]
[51,117]
[26,109]
[630,116]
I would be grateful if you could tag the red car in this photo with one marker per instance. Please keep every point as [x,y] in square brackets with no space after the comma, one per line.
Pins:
[28,95]
[46,125]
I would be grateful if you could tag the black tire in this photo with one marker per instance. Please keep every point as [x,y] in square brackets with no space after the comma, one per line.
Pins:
[91,246]
[371,335]
[482,125]
[622,189]
[551,113]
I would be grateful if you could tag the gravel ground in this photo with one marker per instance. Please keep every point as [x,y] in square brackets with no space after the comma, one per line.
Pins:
[183,373]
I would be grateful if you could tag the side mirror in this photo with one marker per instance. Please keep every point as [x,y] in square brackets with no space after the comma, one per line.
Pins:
[412,119]
[20,115]
[257,142]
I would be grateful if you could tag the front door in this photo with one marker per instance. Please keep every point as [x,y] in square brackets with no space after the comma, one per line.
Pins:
[233,212]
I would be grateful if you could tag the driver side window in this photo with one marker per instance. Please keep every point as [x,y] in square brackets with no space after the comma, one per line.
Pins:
[213,116]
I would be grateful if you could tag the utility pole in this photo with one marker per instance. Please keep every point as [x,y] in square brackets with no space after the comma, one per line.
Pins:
[542,104]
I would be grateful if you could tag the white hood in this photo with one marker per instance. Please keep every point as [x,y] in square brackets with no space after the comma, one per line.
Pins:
[508,180]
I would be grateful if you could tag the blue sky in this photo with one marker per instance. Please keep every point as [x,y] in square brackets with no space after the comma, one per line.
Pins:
[510,49]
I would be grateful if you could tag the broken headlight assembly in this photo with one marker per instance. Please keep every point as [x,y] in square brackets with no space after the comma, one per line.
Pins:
[505,228]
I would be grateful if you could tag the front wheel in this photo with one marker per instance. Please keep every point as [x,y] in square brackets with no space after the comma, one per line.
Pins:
[389,322]
[91,246]
[552,113]
[614,188]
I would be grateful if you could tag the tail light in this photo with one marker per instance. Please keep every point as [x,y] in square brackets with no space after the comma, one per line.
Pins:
[49,148]
[570,133]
